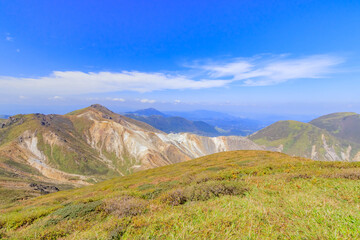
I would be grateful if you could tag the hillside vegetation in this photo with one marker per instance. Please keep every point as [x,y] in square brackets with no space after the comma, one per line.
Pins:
[306,140]
[345,125]
[230,195]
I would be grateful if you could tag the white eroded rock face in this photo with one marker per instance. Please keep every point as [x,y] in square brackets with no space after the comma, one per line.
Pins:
[152,149]
[28,143]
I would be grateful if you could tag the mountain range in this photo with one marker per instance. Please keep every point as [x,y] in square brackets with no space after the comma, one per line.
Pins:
[201,122]
[44,153]
[172,124]
[93,144]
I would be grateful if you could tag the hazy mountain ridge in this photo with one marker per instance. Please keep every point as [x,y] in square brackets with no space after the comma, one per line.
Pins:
[229,124]
[177,124]
[93,144]
[202,122]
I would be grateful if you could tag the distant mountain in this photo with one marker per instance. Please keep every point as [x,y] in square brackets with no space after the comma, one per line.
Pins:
[345,125]
[177,124]
[148,112]
[4,116]
[306,140]
[225,123]
[92,144]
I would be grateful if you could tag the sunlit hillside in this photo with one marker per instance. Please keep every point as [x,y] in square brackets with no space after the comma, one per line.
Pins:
[230,195]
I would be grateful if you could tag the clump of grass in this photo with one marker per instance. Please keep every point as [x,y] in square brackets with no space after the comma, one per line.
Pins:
[203,191]
[126,206]
[145,186]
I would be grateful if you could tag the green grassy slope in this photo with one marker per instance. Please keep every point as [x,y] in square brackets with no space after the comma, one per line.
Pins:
[343,125]
[298,138]
[230,195]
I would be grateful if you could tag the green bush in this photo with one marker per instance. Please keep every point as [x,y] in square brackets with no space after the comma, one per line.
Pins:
[73,211]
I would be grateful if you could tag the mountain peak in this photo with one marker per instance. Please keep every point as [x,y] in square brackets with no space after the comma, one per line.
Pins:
[100,108]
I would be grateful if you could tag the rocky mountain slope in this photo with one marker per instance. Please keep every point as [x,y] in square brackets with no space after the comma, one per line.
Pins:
[93,144]
[307,140]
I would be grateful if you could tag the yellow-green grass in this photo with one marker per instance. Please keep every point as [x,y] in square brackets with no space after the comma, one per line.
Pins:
[276,197]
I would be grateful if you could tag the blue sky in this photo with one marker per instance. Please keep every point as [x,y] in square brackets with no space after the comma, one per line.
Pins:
[273,57]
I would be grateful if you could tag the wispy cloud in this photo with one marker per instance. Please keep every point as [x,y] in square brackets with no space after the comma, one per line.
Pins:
[256,71]
[116,99]
[56,98]
[145,100]
[264,71]
[69,82]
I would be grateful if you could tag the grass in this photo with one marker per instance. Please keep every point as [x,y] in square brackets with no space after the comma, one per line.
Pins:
[230,195]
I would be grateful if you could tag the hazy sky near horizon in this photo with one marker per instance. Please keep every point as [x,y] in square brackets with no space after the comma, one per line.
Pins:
[273,57]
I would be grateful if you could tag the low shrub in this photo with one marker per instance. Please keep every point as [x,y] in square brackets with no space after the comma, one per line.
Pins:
[126,206]
[207,190]
[175,197]
[145,186]
[203,191]
[346,175]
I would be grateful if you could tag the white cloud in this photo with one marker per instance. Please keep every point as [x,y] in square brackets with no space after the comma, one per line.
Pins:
[116,99]
[22,97]
[8,38]
[256,71]
[261,71]
[177,101]
[67,83]
[56,98]
[147,100]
